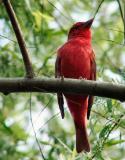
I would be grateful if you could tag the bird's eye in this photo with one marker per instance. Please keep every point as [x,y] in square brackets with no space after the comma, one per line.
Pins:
[75,27]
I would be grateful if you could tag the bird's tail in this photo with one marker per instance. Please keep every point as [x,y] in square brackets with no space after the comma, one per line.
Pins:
[79,114]
[82,142]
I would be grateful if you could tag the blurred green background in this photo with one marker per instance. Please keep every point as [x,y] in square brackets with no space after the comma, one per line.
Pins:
[45,25]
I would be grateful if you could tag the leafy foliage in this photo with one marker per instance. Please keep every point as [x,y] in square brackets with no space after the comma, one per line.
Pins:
[45,25]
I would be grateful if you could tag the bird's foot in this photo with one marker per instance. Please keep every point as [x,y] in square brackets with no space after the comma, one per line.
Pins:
[82,78]
[62,78]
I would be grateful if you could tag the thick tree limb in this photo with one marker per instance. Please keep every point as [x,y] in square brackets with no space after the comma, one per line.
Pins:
[102,89]
[19,36]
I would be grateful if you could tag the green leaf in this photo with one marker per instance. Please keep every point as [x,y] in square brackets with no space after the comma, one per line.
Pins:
[18,132]
[109,105]
[114,142]
[63,144]
[39,17]
[104,131]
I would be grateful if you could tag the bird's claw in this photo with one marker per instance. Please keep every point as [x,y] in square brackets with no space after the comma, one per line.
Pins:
[82,78]
[62,78]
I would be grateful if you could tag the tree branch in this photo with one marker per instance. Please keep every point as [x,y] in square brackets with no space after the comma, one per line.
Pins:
[19,36]
[51,85]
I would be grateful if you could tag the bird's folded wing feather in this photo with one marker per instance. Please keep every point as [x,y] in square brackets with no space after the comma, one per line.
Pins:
[92,77]
[59,94]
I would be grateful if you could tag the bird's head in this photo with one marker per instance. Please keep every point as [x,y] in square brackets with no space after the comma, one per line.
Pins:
[81,29]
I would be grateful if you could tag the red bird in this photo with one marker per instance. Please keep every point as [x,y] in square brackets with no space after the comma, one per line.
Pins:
[76,59]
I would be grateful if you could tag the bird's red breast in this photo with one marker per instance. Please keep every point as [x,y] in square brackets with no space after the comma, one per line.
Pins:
[75,58]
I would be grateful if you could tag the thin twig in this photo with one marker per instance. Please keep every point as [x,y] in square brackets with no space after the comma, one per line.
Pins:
[35,131]
[112,128]
[8,38]
[98,8]
[55,115]
[66,10]
[67,18]
[120,8]
[110,120]
[2,36]
[50,99]
[57,21]
[109,40]
[60,26]
[20,39]
[122,17]
[106,137]
[114,30]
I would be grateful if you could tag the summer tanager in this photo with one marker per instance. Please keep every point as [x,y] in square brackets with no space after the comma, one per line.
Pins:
[76,59]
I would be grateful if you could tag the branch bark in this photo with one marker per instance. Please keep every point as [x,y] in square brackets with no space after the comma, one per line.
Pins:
[19,36]
[52,85]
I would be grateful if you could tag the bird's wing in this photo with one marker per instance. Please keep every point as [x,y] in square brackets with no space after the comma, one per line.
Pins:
[92,77]
[59,94]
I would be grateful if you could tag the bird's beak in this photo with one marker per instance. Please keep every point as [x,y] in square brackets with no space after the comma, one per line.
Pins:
[88,23]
